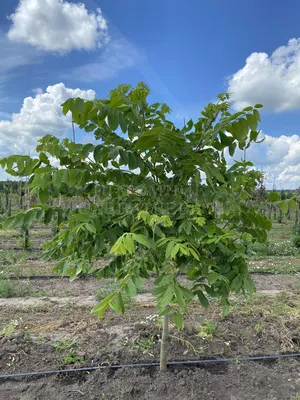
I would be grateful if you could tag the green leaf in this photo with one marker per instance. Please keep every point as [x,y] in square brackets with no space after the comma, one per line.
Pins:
[48,216]
[86,150]
[273,196]
[179,298]
[249,108]
[166,311]
[165,298]
[169,249]
[256,114]
[142,240]
[29,217]
[254,135]
[242,129]
[113,119]
[252,122]
[232,148]
[57,179]
[43,195]
[213,277]
[91,228]
[130,289]
[194,253]
[293,204]
[178,320]
[102,307]
[258,106]
[117,304]
[284,206]
[203,300]
[225,308]
[249,286]
[175,251]
[237,283]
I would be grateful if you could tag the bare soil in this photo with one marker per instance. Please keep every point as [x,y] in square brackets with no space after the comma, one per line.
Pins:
[272,381]
[46,329]
[61,287]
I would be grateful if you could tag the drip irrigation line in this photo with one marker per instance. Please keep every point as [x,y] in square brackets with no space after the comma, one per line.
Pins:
[36,277]
[153,364]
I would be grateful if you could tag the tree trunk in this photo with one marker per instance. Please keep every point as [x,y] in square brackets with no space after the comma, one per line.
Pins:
[280,216]
[26,238]
[164,344]
[270,211]
[9,207]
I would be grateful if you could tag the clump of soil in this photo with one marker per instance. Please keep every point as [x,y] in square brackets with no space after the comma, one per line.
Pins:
[250,381]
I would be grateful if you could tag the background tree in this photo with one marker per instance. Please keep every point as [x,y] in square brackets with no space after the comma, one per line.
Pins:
[159,187]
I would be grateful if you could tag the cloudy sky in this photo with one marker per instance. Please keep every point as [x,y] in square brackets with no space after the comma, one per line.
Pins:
[187,52]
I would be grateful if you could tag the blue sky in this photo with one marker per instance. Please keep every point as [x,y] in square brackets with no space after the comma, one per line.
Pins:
[187,52]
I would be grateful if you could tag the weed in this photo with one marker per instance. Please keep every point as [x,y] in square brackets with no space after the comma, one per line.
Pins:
[26,335]
[67,345]
[143,344]
[64,345]
[9,289]
[10,328]
[6,288]
[72,358]
[273,248]
[207,329]
[259,327]
[296,241]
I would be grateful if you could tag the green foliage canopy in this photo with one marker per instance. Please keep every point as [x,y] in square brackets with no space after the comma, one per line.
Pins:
[160,187]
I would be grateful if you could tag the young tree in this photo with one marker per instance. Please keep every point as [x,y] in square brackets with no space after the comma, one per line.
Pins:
[158,187]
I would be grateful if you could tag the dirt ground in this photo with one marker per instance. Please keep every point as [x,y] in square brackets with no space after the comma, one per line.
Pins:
[57,331]
[90,286]
[272,381]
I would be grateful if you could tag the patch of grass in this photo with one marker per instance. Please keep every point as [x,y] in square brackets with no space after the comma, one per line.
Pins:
[296,241]
[273,248]
[11,289]
[67,353]
[64,345]
[283,304]
[275,264]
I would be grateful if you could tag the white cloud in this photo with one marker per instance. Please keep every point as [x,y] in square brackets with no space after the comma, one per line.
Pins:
[278,158]
[119,54]
[273,81]
[39,115]
[57,25]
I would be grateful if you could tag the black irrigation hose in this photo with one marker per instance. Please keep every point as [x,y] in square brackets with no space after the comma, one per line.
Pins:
[153,364]
[37,277]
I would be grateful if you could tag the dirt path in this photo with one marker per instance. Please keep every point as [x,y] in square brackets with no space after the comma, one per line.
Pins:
[265,284]
[63,293]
